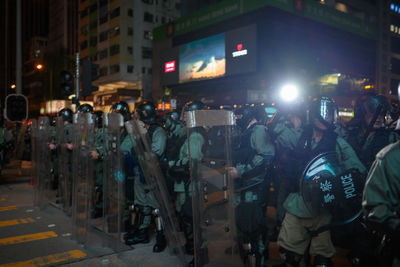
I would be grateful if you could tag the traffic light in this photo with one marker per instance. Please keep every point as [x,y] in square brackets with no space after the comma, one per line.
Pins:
[67,82]
[89,74]
[16,107]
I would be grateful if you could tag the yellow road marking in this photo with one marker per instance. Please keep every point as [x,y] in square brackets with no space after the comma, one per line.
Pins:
[8,208]
[26,238]
[16,221]
[48,260]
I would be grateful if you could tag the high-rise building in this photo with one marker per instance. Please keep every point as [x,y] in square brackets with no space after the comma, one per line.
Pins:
[388,59]
[116,35]
[34,35]
[7,48]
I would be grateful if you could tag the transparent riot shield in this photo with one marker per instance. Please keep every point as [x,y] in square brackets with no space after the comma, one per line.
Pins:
[158,196]
[114,178]
[83,181]
[20,142]
[212,189]
[40,160]
[64,152]
[327,187]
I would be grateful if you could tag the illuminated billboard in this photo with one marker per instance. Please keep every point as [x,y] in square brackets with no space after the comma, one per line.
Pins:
[202,59]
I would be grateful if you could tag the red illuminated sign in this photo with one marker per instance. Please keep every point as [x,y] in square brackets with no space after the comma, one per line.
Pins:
[170,66]
[239,51]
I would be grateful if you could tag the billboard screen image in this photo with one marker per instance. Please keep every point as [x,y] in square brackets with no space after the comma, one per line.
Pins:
[202,59]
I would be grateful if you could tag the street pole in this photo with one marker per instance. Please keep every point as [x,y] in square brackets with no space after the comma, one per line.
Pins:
[19,51]
[76,83]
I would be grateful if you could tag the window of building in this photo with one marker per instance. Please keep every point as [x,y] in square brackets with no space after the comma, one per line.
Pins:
[103,36]
[93,41]
[130,50]
[163,20]
[130,31]
[93,57]
[114,68]
[114,32]
[114,50]
[103,3]
[395,65]
[148,17]
[93,8]
[85,29]
[129,68]
[130,12]
[114,13]
[149,70]
[143,70]
[84,13]
[103,19]
[103,54]
[395,44]
[84,45]
[103,71]
[150,2]
[82,1]
[148,35]
[146,52]
[93,24]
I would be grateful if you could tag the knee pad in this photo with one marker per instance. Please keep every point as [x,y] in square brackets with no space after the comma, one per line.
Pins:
[321,261]
[291,258]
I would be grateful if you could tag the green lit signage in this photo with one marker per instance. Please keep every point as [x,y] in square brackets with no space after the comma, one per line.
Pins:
[231,8]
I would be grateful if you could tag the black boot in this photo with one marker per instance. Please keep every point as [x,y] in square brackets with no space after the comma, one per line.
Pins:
[97,213]
[161,242]
[189,247]
[139,236]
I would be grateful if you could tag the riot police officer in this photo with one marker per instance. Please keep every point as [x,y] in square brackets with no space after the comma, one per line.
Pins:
[65,152]
[180,171]
[366,133]
[176,136]
[144,203]
[253,158]
[97,155]
[381,202]
[122,108]
[301,218]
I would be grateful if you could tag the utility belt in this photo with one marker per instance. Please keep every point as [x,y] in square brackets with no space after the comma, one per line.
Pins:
[180,174]
[259,189]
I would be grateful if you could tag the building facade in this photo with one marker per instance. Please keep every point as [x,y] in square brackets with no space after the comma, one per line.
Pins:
[116,35]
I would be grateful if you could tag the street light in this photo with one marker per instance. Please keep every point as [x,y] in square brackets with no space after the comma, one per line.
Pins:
[12,86]
[39,66]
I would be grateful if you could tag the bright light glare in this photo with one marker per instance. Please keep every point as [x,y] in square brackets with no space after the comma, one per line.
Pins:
[39,66]
[13,86]
[289,93]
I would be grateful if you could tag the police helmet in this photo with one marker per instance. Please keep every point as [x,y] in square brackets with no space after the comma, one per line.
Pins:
[247,113]
[66,114]
[98,118]
[147,112]
[370,104]
[122,108]
[85,108]
[172,120]
[196,105]
[325,111]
